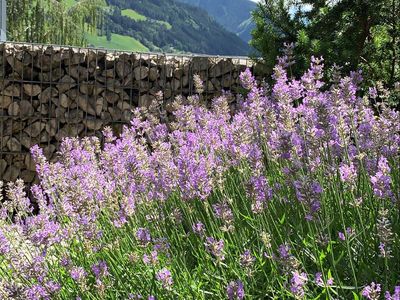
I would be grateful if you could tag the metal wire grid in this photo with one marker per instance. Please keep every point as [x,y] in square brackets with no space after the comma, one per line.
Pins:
[92,69]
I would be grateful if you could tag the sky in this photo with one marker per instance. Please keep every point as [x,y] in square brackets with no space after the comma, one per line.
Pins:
[305,7]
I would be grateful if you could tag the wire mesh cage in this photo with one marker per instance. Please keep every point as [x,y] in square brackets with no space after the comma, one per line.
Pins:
[50,92]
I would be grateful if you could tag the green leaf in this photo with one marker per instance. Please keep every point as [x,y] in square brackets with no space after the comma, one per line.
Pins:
[282,220]
[302,37]
[322,256]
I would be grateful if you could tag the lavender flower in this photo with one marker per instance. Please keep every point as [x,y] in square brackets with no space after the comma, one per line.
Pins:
[100,269]
[284,251]
[320,282]
[348,173]
[42,166]
[223,212]
[373,93]
[198,83]
[176,216]
[260,192]
[318,279]
[235,290]
[286,260]
[266,239]
[247,259]
[349,233]
[395,296]
[4,244]
[293,134]
[198,228]
[151,259]
[287,59]
[18,202]
[52,287]
[247,79]
[372,291]
[37,292]
[143,236]
[42,231]
[161,245]
[78,274]
[65,261]
[381,180]
[297,284]
[216,248]
[384,233]
[165,277]
[309,193]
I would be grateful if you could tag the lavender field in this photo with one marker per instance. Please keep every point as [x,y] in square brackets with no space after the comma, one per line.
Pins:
[295,196]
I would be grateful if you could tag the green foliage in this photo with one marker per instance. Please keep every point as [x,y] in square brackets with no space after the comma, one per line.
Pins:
[196,275]
[57,22]
[296,203]
[273,27]
[352,34]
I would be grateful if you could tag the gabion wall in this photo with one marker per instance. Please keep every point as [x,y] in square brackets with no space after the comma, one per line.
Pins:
[50,92]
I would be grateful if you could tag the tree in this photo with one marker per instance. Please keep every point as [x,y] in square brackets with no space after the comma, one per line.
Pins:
[108,33]
[53,21]
[356,34]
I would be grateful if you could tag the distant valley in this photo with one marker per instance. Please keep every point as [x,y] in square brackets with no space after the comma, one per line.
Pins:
[169,26]
[234,15]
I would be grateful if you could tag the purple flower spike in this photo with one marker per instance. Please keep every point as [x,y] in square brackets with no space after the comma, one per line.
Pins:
[372,291]
[235,290]
[143,236]
[198,228]
[247,259]
[216,248]
[100,269]
[297,284]
[381,180]
[4,244]
[247,79]
[395,296]
[165,277]
[78,274]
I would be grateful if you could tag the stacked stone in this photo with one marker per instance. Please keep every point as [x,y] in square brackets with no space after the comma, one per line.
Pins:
[48,93]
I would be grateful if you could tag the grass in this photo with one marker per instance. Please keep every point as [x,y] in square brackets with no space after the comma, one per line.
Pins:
[118,42]
[69,3]
[139,17]
[132,14]
[165,23]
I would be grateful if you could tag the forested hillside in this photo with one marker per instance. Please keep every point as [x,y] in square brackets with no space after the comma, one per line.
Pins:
[167,25]
[133,25]
[234,15]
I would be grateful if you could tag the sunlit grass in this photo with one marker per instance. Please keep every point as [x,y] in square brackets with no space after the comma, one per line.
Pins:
[118,42]
[133,15]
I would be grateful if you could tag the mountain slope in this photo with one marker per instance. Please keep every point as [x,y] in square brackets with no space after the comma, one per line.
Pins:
[166,26]
[234,15]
